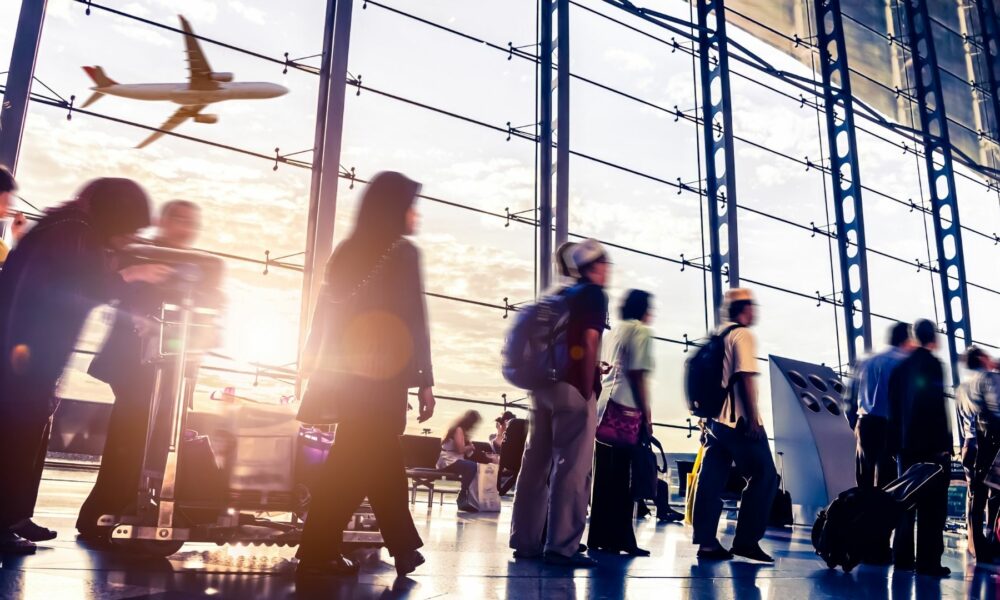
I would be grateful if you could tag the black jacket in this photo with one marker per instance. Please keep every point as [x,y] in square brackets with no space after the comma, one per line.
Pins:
[918,412]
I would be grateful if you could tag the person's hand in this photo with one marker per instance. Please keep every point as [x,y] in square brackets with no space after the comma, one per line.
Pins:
[756,432]
[605,368]
[143,326]
[18,226]
[649,427]
[426,398]
[150,273]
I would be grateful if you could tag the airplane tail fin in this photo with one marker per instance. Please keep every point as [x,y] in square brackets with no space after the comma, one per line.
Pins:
[99,77]
[93,98]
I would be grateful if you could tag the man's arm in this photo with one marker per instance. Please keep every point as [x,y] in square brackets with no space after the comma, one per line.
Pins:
[746,392]
[591,339]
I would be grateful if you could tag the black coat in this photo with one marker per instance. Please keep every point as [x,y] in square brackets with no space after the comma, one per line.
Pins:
[371,335]
[919,416]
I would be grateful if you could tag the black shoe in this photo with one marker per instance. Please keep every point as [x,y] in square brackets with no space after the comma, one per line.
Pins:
[408,563]
[935,571]
[753,553]
[581,548]
[636,551]
[335,567]
[12,544]
[525,555]
[577,561]
[718,553]
[34,532]
[671,517]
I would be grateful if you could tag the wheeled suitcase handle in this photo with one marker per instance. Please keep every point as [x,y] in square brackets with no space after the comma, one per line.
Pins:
[909,484]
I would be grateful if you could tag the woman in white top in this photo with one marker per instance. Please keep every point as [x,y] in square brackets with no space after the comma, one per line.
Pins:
[456,454]
[631,362]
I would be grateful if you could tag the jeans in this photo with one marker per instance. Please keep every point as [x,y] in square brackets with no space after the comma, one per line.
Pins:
[468,470]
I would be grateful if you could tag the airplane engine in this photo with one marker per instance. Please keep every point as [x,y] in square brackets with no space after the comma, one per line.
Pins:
[206,118]
[222,77]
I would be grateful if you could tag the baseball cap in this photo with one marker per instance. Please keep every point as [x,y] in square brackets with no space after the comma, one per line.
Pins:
[588,252]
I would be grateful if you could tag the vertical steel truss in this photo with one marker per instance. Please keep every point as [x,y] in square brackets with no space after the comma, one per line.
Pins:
[989,37]
[846,177]
[14,107]
[717,131]
[940,177]
[550,86]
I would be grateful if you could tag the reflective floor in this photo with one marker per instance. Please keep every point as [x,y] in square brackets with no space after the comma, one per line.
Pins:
[467,558]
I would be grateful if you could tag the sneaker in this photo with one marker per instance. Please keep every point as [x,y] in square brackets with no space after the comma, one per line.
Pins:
[33,532]
[12,544]
[934,571]
[408,563]
[753,553]
[336,567]
[577,561]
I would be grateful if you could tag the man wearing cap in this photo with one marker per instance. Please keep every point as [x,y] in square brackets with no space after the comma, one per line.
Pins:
[737,434]
[554,484]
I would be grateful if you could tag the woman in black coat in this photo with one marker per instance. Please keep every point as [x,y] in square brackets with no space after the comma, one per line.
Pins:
[368,344]
[60,271]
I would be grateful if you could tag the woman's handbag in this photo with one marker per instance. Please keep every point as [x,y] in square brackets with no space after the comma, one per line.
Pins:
[620,425]
[646,468]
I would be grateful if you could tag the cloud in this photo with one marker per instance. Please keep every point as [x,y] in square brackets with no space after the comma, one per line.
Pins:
[197,11]
[628,60]
[250,13]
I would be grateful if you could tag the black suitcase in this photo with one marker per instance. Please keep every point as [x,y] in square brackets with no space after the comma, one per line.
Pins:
[860,519]
[781,508]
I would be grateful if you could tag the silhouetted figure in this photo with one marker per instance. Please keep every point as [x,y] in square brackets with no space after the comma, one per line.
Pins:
[919,418]
[119,363]
[736,435]
[368,344]
[625,385]
[58,273]
[554,484]
[979,418]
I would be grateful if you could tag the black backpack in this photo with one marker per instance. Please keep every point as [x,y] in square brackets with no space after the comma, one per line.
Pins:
[703,377]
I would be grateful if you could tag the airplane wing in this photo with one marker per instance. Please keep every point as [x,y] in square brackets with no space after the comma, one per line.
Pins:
[199,73]
[183,114]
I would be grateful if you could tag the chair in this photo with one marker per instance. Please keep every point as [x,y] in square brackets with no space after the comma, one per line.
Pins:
[420,455]
[511,453]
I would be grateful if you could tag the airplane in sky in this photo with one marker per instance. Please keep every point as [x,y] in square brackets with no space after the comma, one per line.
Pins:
[204,87]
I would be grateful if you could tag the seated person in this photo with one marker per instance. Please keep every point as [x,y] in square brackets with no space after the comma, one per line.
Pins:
[456,455]
[497,439]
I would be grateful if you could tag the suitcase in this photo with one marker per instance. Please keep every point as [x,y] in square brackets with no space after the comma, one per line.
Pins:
[781,508]
[860,519]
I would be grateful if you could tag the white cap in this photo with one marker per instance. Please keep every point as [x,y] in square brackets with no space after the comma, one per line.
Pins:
[588,252]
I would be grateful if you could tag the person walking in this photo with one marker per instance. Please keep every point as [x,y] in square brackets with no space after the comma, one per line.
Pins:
[979,419]
[625,390]
[554,483]
[368,344]
[920,420]
[63,268]
[737,435]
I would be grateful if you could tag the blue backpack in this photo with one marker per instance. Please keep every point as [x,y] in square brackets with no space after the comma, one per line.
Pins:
[535,353]
[703,377]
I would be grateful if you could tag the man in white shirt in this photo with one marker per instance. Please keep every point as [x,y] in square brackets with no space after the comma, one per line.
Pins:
[736,435]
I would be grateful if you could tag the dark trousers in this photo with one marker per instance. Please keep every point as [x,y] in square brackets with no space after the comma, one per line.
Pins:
[117,482]
[981,500]
[875,464]
[724,446]
[467,470]
[930,516]
[22,459]
[366,461]
[612,507]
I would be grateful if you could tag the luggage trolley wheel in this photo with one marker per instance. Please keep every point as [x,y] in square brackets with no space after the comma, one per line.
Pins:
[153,548]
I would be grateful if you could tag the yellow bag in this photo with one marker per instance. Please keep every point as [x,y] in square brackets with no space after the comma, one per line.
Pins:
[692,484]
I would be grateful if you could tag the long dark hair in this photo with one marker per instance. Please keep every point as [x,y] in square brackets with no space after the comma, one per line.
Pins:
[380,223]
[466,422]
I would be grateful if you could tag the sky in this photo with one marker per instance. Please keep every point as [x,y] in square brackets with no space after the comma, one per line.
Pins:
[250,208]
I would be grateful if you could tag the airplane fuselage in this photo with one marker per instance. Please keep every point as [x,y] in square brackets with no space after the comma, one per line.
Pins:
[181,93]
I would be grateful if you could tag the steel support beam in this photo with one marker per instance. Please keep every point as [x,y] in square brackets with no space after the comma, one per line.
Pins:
[545,145]
[940,178]
[989,37]
[326,158]
[846,177]
[554,131]
[717,131]
[17,94]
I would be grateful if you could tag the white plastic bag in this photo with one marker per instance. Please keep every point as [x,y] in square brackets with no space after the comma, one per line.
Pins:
[483,495]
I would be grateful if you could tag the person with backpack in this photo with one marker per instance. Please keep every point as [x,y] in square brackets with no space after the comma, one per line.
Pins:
[979,419]
[921,432]
[554,483]
[734,434]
